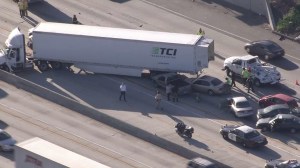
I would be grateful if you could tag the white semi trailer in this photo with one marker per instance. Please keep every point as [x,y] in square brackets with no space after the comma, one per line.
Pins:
[39,153]
[107,50]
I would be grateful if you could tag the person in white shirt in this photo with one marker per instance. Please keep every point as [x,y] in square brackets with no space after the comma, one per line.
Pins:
[123,91]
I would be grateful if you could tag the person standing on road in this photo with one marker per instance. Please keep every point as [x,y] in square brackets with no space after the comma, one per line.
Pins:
[74,20]
[123,92]
[250,85]
[201,32]
[25,2]
[233,76]
[169,91]
[175,93]
[228,81]
[245,75]
[158,98]
[21,8]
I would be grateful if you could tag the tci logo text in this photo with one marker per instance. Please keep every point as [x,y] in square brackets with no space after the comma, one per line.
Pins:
[164,51]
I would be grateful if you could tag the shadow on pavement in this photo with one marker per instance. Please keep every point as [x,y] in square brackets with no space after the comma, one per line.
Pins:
[284,63]
[120,1]
[49,13]
[3,93]
[246,16]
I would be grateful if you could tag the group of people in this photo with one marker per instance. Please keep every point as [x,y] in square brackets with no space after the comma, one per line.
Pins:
[23,7]
[170,90]
[246,79]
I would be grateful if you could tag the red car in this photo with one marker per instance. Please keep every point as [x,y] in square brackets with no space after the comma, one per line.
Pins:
[277,99]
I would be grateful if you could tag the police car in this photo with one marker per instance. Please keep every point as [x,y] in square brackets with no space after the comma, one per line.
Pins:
[244,135]
[282,164]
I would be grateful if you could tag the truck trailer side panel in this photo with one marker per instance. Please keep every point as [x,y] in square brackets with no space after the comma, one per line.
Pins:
[136,50]
[37,152]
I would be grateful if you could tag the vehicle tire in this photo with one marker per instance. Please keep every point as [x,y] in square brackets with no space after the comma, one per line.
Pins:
[257,82]
[225,136]
[247,48]
[43,65]
[272,129]
[5,68]
[264,129]
[267,57]
[189,136]
[244,145]
[56,65]
[210,92]
[293,130]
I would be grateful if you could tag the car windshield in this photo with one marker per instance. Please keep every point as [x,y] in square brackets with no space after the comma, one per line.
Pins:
[4,136]
[253,60]
[292,103]
[173,78]
[252,134]
[242,104]
[216,82]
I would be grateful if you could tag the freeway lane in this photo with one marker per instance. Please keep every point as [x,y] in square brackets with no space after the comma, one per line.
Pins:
[24,116]
[101,91]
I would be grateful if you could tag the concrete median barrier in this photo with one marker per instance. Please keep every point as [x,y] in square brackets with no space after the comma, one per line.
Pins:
[64,101]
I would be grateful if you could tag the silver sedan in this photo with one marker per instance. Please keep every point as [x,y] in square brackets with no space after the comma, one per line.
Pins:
[210,85]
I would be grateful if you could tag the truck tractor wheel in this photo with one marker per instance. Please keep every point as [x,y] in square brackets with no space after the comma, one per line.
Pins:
[257,82]
[210,92]
[264,129]
[43,65]
[293,130]
[5,68]
[266,57]
[56,65]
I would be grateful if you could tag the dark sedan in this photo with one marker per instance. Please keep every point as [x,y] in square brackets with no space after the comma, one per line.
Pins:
[273,110]
[281,122]
[282,164]
[265,49]
[244,135]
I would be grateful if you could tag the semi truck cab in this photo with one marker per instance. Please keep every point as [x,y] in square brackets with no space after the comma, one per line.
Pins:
[13,56]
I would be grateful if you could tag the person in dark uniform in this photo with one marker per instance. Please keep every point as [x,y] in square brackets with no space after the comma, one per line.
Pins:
[74,20]
[233,79]
[250,84]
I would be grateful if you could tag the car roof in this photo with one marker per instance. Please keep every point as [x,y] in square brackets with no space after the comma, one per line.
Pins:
[245,129]
[207,77]
[202,161]
[287,116]
[281,96]
[265,42]
[276,106]
[247,57]
[239,99]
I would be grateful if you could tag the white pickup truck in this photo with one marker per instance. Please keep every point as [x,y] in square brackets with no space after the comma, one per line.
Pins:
[262,73]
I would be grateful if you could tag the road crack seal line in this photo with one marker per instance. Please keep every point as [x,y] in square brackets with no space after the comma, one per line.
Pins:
[72,137]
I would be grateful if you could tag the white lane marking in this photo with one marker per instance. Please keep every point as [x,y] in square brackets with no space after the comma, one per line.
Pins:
[208,25]
[77,136]
[197,114]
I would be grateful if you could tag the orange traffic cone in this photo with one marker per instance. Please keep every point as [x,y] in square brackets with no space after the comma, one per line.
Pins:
[297,83]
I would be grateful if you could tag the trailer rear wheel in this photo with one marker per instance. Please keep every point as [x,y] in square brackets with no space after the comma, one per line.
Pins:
[43,65]
[55,65]
[5,68]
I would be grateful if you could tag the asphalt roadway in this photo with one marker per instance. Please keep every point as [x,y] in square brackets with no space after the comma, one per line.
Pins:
[101,91]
